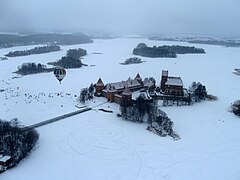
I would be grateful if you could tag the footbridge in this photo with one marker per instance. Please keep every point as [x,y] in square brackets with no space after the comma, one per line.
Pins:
[58,118]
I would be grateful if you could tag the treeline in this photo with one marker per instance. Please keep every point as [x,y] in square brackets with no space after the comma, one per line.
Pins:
[72,59]
[196,40]
[184,49]
[36,50]
[154,52]
[76,53]
[32,68]
[14,142]
[146,109]
[164,51]
[8,40]
[67,62]
[227,43]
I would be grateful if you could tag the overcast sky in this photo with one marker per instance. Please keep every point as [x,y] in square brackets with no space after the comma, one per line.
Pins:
[199,17]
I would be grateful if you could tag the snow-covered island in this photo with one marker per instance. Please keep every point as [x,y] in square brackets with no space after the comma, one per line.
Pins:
[132,60]
[35,50]
[71,60]
[165,51]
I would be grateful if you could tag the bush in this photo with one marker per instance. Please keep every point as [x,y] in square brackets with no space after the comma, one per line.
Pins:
[132,60]
[235,107]
[211,97]
[198,92]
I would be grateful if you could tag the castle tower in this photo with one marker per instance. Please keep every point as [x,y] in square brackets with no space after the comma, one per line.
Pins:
[110,94]
[99,86]
[126,97]
[138,78]
[163,79]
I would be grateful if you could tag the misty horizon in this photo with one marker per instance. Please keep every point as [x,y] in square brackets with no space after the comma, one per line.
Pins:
[209,18]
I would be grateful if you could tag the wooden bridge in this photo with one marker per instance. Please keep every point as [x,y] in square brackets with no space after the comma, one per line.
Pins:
[52,120]
[58,118]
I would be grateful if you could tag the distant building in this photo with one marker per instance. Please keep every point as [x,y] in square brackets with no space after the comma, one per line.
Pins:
[171,85]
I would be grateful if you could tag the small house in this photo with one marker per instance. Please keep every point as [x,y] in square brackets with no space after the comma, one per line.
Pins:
[5,161]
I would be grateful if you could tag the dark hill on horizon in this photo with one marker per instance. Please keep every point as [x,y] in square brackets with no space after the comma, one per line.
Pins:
[8,40]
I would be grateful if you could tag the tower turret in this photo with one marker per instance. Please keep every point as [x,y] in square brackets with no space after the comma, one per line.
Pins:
[164,79]
[139,79]
[110,92]
[99,86]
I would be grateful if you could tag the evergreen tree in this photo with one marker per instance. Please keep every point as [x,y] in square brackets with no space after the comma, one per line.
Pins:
[141,105]
[83,95]
[198,92]
[163,125]
[91,89]
[86,94]
[14,142]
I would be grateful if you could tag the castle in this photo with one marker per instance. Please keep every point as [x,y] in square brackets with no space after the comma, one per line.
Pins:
[171,85]
[121,92]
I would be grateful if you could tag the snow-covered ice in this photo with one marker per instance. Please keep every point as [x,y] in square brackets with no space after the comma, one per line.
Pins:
[98,145]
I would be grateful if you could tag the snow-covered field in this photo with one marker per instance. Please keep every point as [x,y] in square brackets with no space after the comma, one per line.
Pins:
[98,145]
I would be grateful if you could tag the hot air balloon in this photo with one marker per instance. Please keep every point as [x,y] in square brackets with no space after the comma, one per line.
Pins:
[59,73]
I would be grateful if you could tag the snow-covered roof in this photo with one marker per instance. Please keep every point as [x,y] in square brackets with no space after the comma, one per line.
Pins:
[147,83]
[131,83]
[99,82]
[174,81]
[138,77]
[5,158]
